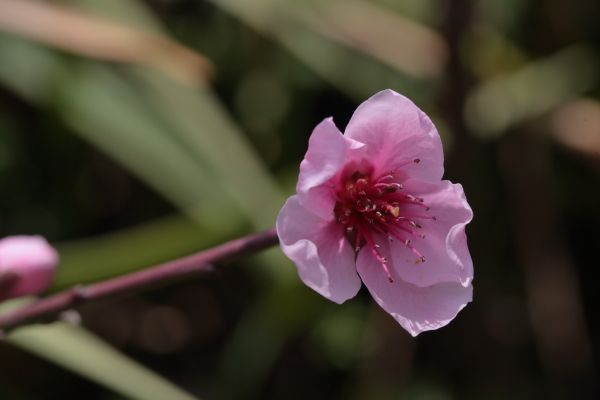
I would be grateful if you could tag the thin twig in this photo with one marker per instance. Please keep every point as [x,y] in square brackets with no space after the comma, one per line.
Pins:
[50,307]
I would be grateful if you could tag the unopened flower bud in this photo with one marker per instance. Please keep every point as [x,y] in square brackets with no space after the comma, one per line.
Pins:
[27,265]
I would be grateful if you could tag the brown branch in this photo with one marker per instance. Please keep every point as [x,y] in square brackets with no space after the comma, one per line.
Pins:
[51,306]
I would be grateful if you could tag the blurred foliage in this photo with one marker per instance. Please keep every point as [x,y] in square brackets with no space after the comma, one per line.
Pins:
[72,348]
[132,132]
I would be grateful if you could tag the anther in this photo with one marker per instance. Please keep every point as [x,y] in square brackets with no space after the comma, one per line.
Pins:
[394,210]
[386,177]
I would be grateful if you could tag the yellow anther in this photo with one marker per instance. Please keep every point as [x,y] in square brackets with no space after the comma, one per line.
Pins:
[395,211]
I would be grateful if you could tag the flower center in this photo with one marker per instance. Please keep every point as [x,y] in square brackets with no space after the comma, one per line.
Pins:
[371,207]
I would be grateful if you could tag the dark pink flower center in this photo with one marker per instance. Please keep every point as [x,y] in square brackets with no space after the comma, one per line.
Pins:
[375,207]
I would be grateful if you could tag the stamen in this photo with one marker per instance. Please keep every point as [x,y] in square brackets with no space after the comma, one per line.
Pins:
[408,243]
[432,217]
[366,206]
[408,221]
[402,228]
[409,199]
[357,241]
[389,187]
[385,177]
[408,162]
[374,250]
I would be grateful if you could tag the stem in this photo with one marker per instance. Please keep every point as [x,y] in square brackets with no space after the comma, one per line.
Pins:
[195,264]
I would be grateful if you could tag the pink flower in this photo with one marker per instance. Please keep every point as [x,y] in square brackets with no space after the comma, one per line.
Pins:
[27,265]
[372,201]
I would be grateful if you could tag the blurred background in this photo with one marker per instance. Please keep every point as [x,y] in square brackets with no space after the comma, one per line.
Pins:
[133,131]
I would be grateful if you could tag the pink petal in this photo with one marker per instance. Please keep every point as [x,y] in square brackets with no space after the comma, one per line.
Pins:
[417,309]
[325,157]
[447,257]
[323,256]
[396,132]
[31,259]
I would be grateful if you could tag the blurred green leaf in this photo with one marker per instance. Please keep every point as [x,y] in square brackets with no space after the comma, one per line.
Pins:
[536,88]
[91,35]
[352,57]
[282,310]
[338,334]
[182,143]
[83,353]
[199,120]
[111,113]
[101,106]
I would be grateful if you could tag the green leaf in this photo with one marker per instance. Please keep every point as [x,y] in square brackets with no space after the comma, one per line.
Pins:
[83,353]
[200,121]
[305,30]
[197,119]
[536,88]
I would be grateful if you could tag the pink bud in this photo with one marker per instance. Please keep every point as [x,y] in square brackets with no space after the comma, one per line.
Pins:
[27,265]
